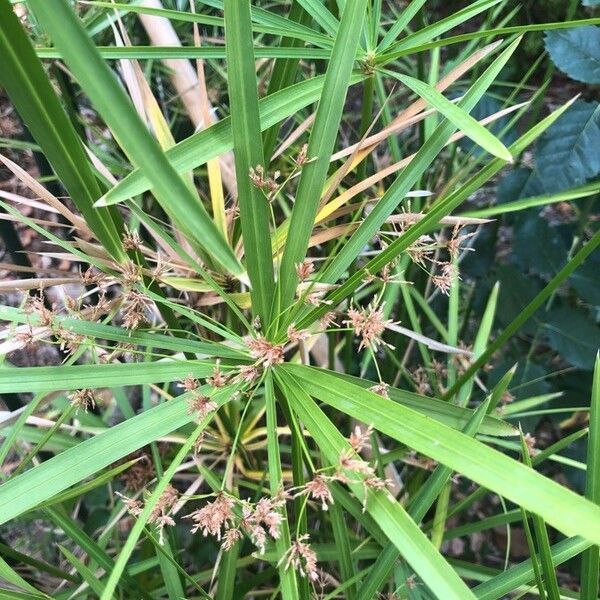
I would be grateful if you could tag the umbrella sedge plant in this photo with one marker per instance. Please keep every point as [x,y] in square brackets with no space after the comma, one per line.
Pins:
[254,391]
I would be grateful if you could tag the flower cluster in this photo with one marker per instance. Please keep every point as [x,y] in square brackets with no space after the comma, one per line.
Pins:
[369,323]
[267,353]
[267,184]
[83,399]
[160,515]
[227,519]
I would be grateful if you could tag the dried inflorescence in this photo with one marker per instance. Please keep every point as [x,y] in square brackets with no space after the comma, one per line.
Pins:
[131,240]
[318,489]
[221,520]
[246,374]
[302,558]
[267,184]
[305,269]
[135,307]
[359,438]
[34,306]
[328,319]
[200,405]
[381,389]
[139,473]
[266,352]
[297,335]
[83,399]
[302,157]
[218,379]
[160,515]
[369,323]
[214,516]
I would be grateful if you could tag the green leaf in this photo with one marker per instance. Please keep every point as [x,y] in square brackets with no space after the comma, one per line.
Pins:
[30,90]
[320,146]
[397,525]
[155,340]
[473,459]
[584,191]
[51,477]
[590,564]
[497,587]
[418,507]
[461,119]
[108,97]
[576,52]
[190,52]
[543,541]
[52,379]
[88,576]
[567,155]
[217,139]
[264,21]
[412,41]
[220,397]
[248,150]
[573,334]
[321,15]
[449,414]
[439,210]
[397,191]
[287,577]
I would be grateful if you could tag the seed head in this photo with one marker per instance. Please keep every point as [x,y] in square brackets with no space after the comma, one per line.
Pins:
[369,323]
[305,269]
[302,558]
[266,352]
[318,490]
[211,518]
[83,399]
[201,404]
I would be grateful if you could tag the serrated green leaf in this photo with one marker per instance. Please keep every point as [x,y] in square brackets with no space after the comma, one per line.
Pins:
[576,52]
[566,154]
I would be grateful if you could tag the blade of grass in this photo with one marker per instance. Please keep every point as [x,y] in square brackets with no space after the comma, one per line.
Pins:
[73,531]
[461,118]
[320,147]
[284,73]
[30,90]
[590,559]
[51,379]
[497,587]
[154,339]
[217,139]
[409,48]
[451,415]
[109,98]
[220,397]
[322,16]
[87,575]
[11,576]
[287,577]
[465,455]
[248,150]
[439,210]
[269,23]
[400,24]
[411,174]
[583,191]
[528,311]
[543,541]
[418,507]
[51,477]
[389,514]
